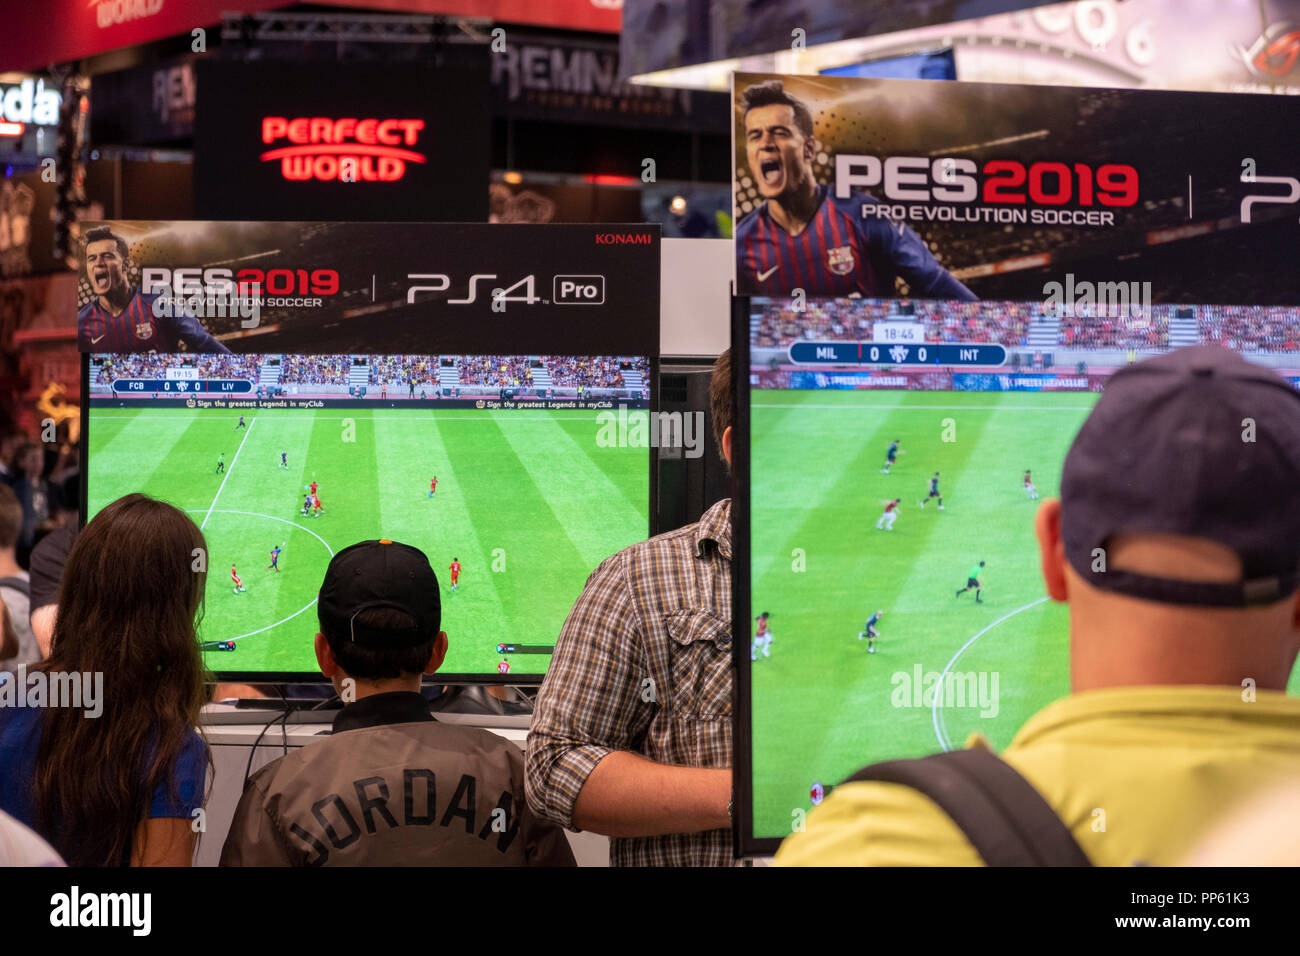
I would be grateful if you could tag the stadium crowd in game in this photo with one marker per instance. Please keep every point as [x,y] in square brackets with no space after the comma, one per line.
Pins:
[315,369]
[495,370]
[384,370]
[505,370]
[595,372]
[1246,328]
[825,321]
[1005,323]
[1263,328]
[149,365]
[1132,332]
[402,369]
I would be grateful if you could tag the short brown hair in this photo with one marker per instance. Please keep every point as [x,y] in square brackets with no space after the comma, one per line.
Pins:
[100,233]
[380,663]
[720,397]
[11,517]
[772,93]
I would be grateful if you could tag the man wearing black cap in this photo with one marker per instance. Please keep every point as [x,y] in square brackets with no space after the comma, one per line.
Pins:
[1176,544]
[391,786]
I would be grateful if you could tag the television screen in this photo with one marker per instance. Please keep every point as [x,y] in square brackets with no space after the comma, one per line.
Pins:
[525,471]
[893,452]
[933,65]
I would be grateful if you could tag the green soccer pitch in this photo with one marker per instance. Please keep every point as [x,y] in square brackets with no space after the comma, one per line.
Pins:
[527,501]
[822,706]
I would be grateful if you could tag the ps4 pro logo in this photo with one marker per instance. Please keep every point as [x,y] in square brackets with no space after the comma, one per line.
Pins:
[565,289]
[433,283]
[1248,176]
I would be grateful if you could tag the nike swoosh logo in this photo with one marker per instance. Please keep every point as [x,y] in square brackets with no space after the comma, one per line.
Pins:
[763,276]
[104,336]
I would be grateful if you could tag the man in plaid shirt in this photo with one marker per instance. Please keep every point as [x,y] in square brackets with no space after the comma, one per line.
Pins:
[631,736]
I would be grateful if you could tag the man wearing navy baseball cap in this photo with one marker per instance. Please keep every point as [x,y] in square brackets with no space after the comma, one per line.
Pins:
[391,786]
[1176,545]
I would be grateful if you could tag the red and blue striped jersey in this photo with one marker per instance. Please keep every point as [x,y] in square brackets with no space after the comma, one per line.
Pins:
[138,329]
[839,253]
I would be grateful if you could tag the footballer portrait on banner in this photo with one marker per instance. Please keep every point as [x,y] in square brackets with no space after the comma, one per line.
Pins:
[119,315]
[929,189]
[796,233]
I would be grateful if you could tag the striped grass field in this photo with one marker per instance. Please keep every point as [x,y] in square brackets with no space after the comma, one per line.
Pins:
[526,500]
[822,706]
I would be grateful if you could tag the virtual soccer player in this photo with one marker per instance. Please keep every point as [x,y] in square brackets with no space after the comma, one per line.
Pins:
[891,456]
[889,515]
[802,236]
[973,581]
[870,633]
[120,318]
[762,637]
[933,492]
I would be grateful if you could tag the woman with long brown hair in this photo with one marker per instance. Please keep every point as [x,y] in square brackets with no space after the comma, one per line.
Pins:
[119,786]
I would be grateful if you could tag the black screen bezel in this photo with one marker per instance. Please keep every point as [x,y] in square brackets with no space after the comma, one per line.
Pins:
[742,822]
[315,677]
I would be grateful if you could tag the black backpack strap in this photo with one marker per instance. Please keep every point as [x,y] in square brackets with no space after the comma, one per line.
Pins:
[1004,817]
[17,584]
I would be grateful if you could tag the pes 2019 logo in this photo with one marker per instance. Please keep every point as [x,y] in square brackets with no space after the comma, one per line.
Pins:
[219,281]
[1004,181]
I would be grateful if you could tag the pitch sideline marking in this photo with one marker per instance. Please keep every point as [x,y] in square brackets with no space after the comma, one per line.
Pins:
[247,431]
[940,731]
[258,514]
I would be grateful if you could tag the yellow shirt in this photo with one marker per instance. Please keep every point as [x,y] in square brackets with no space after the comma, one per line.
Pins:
[1138,774]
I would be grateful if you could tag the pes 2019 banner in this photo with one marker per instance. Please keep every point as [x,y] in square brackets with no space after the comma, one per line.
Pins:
[337,287]
[939,190]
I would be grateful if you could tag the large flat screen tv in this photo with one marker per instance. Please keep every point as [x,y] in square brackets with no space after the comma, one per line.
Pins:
[539,477]
[833,540]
